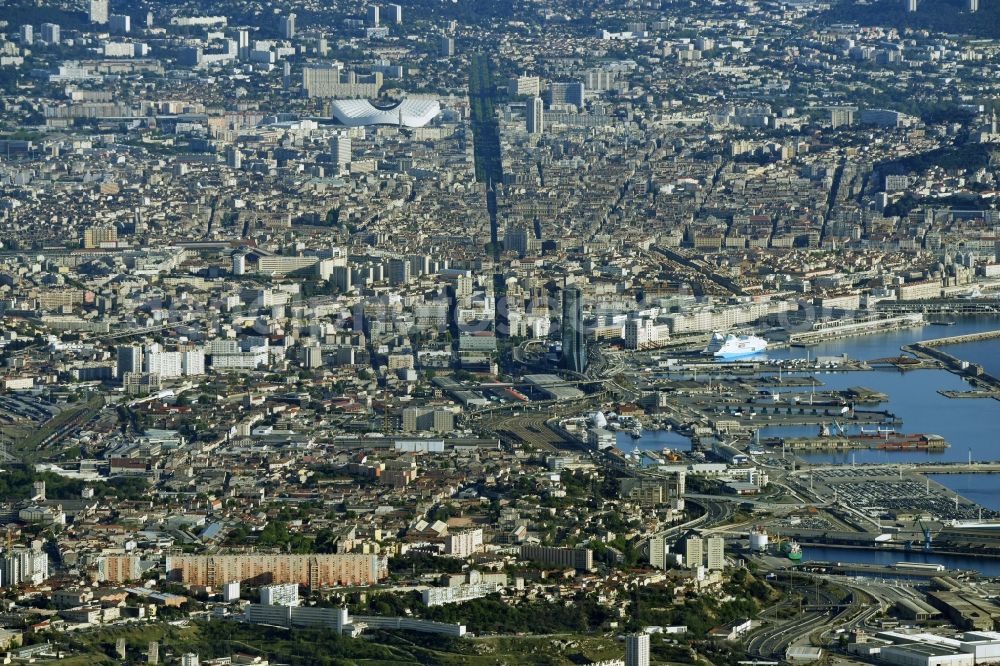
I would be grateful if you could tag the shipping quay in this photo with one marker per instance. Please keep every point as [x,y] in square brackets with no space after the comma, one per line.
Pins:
[850,326]
[888,441]
[887,507]
[987,385]
[900,569]
[687,405]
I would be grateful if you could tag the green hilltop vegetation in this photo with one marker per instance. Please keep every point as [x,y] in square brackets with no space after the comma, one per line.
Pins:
[948,16]
[968,156]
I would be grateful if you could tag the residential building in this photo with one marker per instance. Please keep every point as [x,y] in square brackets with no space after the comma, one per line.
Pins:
[568,92]
[308,570]
[231,591]
[120,24]
[569,558]
[128,359]
[399,272]
[286,26]
[529,86]
[340,151]
[284,594]
[716,550]
[694,552]
[50,33]
[21,565]
[439,596]
[117,568]
[657,552]
[95,237]
[637,649]
[98,11]
[464,544]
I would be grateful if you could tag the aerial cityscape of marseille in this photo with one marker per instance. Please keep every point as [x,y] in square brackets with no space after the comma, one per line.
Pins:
[500,332]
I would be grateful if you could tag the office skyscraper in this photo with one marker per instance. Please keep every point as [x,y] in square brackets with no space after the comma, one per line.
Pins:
[372,18]
[637,650]
[574,340]
[536,116]
[99,11]
[394,14]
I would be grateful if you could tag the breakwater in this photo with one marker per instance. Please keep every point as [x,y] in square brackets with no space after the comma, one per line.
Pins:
[931,349]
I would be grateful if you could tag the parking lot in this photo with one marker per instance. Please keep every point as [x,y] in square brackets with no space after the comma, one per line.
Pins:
[885,495]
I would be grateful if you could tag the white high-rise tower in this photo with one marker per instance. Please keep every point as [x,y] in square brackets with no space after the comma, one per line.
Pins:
[535,116]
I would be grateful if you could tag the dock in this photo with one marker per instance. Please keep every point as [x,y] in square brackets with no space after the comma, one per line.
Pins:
[970,395]
[900,569]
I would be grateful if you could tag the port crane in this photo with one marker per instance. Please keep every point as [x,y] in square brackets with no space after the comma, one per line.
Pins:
[928,537]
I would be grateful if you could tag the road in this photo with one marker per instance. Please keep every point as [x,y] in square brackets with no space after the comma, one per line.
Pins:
[828,610]
[773,642]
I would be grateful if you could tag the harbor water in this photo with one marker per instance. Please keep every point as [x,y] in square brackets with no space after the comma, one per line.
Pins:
[984,352]
[969,425]
[653,440]
[886,558]
[983,489]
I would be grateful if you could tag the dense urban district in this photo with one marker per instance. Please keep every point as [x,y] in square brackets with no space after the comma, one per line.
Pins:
[496,332]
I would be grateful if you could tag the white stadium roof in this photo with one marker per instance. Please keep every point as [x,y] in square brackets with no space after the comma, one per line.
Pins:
[408,113]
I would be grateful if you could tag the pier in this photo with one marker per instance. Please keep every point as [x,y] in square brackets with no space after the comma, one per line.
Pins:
[930,349]
[874,323]
[846,443]
[961,339]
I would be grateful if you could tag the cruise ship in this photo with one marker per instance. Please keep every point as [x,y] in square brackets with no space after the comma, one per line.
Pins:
[735,346]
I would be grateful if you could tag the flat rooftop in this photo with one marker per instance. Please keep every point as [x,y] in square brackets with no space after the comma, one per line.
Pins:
[554,386]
